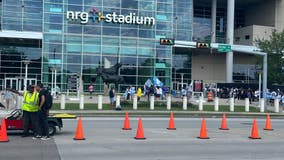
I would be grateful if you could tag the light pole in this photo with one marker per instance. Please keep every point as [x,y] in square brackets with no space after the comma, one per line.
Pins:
[53,77]
[181,80]
[26,62]
[248,75]
[259,71]
[175,78]
[176,19]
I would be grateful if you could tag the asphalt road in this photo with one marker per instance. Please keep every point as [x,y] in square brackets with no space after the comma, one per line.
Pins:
[105,140]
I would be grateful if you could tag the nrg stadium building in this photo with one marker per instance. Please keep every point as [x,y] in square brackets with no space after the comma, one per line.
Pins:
[49,41]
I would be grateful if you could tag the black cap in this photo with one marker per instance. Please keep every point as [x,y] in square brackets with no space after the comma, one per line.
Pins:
[40,85]
[30,88]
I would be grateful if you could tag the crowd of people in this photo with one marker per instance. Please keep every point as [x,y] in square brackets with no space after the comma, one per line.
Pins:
[158,92]
[252,95]
[236,93]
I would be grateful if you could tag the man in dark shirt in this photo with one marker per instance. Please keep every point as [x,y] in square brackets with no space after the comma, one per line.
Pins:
[111,97]
[43,112]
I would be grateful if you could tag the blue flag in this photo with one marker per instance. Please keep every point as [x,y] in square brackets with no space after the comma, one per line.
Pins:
[157,82]
[148,83]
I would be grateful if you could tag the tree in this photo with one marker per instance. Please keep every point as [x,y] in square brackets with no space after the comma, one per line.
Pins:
[274,47]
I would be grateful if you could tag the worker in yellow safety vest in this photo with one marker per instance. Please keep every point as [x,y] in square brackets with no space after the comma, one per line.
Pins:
[30,112]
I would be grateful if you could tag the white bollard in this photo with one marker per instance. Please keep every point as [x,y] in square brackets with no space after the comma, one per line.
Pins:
[117,102]
[62,102]
[100,102]
[232,107]
[200,103]
[276,105]
[81,101]
[261,104]
[184,103]
[169,99]
[216,104]
[135,102]
[152,103]
[246,105]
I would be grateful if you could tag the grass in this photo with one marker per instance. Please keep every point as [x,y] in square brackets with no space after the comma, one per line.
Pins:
[159,106]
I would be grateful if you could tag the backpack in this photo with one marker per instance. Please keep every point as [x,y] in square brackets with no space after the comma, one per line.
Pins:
[48,100]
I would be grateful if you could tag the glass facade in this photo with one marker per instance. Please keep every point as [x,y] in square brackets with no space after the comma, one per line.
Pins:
[183,20]
[202,22]
[80,36]
[22,15]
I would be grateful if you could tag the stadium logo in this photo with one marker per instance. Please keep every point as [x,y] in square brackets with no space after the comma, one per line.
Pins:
[96,16]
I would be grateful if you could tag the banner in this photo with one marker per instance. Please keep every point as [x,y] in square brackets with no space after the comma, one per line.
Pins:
[198,86]
[157,82]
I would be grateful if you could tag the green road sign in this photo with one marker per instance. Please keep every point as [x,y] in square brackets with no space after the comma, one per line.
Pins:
[224,48]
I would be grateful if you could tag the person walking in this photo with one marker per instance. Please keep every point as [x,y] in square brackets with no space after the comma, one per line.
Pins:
[111,97]
[249,95]
[91,90]
[43,112]
[139,93]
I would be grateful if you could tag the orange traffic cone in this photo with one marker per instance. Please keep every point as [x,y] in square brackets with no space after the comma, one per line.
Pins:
[224,123]
[203,131]
[267,124]
[140,132]
[171,125]
[3,132]
[254,131]
[79,132]
[126,122]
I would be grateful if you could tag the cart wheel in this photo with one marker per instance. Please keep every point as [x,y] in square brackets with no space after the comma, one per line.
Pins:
[51,129]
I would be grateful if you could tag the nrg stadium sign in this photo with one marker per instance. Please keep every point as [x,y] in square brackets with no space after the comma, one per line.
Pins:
[96,15]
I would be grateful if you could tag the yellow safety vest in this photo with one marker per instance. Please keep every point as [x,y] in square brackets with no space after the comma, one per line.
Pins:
[30,102]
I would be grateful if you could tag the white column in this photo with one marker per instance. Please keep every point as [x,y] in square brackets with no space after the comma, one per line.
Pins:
[62,102]
[200,103]
[117,102]
[184,103]
[81,101]
[100,102]
[169,99]
[216,104]
[264,78]
[232,105]
[213,21]
[276,105]
[135,102]
[152,103]
[230,40]
[246,105]
[262,105]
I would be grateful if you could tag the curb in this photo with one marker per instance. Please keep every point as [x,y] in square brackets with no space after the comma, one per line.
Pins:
[113,113]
